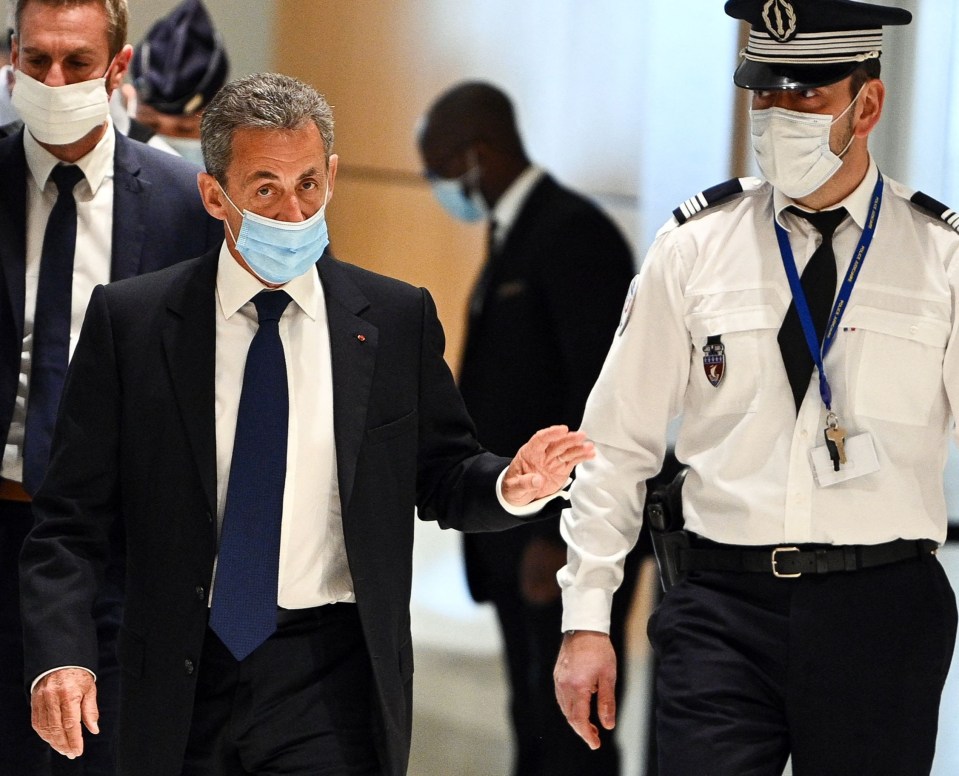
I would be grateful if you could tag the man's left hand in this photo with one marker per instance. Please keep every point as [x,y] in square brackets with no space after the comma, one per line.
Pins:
[542,466]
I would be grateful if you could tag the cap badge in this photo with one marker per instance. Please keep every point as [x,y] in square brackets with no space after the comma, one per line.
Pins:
[780,18]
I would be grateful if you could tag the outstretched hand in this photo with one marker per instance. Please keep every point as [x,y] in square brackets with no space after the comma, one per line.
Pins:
[542,466]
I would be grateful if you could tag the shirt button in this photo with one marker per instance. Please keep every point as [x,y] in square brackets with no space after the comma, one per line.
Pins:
[188,666]
[200,593]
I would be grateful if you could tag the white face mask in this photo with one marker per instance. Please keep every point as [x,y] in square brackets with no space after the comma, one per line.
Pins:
[792,148]
[59,115]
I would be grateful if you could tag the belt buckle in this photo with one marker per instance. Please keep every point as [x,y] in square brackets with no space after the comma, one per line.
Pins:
[776,572]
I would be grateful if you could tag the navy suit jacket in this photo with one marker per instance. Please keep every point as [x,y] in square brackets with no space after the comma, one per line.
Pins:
[158,219]
[136,441]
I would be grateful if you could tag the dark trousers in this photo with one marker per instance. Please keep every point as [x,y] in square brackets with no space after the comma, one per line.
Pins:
[22,751]
[300,705]
[545,743]
[844,671]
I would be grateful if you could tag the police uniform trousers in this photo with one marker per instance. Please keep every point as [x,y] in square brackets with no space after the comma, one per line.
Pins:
[301,704]
[843,671]
[22,751]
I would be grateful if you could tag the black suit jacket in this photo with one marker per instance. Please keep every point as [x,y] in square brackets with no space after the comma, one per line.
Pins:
[136,438]
[541,320]
[158,219]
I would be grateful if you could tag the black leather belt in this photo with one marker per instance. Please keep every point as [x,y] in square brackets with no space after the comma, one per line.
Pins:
[789,562]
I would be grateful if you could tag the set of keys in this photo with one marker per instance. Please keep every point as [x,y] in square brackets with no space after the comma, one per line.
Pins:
[835,440]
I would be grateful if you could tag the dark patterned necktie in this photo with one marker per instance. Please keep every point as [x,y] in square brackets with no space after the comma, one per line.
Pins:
[243,611]
[51,326]
[819,285]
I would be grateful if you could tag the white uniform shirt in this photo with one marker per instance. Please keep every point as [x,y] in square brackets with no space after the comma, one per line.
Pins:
[893,369]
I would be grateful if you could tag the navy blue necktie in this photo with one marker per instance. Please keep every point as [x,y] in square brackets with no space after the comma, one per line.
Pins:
[51,327]
[243,612]
[819,285]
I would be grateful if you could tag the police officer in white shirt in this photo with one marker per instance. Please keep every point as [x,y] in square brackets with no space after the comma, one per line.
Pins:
[805,327]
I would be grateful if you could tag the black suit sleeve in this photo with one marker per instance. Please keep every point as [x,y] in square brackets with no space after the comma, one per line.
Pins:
[63,559]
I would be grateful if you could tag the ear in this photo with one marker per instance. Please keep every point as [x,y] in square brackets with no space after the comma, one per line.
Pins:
[872,99]
[118,71]
[331,175]
[212,195]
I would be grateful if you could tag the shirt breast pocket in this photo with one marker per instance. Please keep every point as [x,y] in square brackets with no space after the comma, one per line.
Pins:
[726,371]
[895,364]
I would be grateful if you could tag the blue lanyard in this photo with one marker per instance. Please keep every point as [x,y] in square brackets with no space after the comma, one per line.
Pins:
[845,291]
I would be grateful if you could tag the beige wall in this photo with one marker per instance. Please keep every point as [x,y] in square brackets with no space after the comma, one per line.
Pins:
[363,55]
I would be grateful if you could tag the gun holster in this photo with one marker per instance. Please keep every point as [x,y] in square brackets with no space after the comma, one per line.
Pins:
[664,516]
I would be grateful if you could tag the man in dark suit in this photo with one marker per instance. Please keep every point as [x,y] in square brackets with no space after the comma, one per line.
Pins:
[265,462]
[541,318]
[136,210]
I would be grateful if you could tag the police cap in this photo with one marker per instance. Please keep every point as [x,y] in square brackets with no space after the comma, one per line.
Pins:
[802,44]
[181,63]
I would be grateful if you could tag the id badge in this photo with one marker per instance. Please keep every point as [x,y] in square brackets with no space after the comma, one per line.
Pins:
[861,459]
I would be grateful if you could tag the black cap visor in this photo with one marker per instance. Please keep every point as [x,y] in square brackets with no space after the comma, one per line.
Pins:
[765,75]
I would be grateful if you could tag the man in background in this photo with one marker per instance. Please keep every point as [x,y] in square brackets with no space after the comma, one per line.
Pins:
[541,317]
[81,205]
[176,70]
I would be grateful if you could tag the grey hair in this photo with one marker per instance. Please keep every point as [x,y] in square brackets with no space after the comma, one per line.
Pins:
[260,101]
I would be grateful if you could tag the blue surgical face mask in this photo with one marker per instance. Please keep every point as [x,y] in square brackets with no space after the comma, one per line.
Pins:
[461,197]
[278,251]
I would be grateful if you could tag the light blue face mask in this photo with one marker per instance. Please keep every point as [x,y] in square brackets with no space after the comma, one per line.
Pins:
[461,197]
[278,251]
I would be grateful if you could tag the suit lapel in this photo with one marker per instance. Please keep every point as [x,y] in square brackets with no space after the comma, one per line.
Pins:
[189,341]
[353,344]
[131,201]
[13,244]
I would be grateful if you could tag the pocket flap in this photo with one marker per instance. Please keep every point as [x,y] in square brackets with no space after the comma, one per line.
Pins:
[929,331]
[706,324]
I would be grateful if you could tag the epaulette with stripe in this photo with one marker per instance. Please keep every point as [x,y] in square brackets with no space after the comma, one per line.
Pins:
[936,208]
[711,197]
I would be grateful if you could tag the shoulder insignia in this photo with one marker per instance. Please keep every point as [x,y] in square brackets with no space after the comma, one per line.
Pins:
[711,197]
[936,208]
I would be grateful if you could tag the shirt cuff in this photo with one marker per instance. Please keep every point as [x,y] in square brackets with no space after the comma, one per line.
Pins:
[533,506]
[59,668]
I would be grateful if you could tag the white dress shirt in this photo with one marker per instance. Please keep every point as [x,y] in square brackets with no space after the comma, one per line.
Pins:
[512,200]
[313,565]
[91,264]
[893,369]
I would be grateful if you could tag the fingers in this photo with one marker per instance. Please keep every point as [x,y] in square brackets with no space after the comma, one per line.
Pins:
[606,702]
[60,702]
[89,713]
[577,714]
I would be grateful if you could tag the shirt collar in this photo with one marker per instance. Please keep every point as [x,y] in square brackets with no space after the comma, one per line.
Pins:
[511,202]
[235,287]
[97,165]
[857,204]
